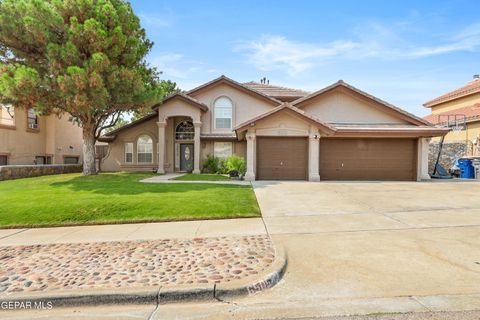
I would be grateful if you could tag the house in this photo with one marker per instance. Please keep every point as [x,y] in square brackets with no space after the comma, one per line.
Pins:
[460,110]
[336,133]
[27,139]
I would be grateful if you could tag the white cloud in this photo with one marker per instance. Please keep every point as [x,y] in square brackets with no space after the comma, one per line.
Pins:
[157,21]
[274,52]
[177,67]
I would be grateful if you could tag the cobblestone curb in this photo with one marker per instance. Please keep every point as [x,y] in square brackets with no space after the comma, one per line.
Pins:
[158,295]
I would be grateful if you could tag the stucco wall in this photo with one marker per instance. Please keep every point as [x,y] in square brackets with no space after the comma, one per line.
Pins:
[341,106]
[457,103]
[54,137]
[245,106]
[282,124]
[115,160]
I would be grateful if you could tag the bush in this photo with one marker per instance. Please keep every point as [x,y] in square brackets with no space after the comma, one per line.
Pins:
[222,166]
[236,163]
[210,164]
[213,164]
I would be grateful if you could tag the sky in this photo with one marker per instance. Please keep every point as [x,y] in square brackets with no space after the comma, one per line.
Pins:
[404,52]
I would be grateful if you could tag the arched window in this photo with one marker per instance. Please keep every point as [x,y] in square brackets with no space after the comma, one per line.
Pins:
[144,149]
[185,131]
[223,113]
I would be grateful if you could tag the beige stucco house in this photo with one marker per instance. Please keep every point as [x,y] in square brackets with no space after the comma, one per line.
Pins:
[459,109]
[336,133]
[27,139]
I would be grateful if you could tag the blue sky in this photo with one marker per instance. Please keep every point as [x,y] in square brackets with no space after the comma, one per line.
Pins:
[405,52]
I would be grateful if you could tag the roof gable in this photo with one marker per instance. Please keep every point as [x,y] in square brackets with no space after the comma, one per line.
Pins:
[225,80]
[183,97]
[376,102]
[286,107]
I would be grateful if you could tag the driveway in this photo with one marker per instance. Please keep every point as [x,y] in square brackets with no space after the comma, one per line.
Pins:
[365,247]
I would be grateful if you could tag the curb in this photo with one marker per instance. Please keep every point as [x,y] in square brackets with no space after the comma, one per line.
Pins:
[157,295]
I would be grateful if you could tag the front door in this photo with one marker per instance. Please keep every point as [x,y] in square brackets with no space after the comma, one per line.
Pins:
[186,157]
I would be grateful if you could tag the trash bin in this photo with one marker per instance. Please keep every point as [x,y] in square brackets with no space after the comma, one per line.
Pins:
[466,169]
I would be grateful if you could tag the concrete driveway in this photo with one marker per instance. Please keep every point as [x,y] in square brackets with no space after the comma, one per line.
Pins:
[366,247]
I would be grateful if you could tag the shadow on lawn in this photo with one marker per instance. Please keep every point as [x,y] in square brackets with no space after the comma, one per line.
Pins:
[129,184]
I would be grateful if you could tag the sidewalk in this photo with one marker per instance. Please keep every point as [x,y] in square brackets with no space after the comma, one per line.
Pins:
[138,231]
[168,178]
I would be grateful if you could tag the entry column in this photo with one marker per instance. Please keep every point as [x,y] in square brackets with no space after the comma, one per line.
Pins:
[251,155]
[196,147]
[161,147]
[313,156]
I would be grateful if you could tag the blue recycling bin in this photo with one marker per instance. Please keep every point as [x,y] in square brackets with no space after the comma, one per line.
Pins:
[466,169]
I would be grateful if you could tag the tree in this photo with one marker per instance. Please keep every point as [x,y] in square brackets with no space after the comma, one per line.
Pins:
[83,57]
[163,88]
[120,123]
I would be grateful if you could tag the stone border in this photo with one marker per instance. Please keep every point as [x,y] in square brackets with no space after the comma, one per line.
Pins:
[158,295]
[10,172]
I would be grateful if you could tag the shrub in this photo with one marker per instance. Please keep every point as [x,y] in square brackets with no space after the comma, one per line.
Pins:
[210,164]
[222,166]
[236,163]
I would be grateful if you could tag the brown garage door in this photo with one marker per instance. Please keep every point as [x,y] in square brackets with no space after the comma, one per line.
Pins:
[281,158]
[368,159]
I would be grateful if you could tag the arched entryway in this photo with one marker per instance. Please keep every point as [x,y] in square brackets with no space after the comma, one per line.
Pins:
[184,145]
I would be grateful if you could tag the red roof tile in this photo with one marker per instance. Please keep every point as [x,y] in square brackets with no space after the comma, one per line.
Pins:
[278,92]
[471,112]
[470,88]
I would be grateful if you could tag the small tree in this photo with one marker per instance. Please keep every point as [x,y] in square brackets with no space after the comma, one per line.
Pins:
[83,57]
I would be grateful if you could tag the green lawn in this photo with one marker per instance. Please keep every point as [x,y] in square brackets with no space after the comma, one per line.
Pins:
[117,197]
[202,177]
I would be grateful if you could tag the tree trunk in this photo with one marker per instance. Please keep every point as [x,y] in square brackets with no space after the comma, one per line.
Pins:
[89,152]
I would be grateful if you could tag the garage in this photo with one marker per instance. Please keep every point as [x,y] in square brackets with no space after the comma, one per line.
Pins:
[282,158]
[368,159]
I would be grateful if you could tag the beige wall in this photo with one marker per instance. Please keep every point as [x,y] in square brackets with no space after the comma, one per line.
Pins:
[473,128]
[53,138]
[115,159]
[456,104]
[245,106]
[282,124]
[340,106]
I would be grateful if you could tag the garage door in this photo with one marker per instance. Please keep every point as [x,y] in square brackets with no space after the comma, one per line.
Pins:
[282,158]
[368,159]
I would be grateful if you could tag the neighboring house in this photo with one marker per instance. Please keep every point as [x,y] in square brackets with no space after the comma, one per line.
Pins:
[27,139]
[460,110]
[336,133]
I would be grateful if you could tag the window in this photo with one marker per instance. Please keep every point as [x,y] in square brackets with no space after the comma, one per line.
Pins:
[223,113]
[145,149]
[129,152]
[70,160]
[222,150]
[3,160]
[185,131]
[43,160]
[7,114]
[32,119]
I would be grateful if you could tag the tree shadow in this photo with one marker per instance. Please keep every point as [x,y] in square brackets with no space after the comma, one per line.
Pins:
[128,183]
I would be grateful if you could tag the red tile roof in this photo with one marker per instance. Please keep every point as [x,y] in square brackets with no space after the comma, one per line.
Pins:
[278,92]
[470,88]
[471,113]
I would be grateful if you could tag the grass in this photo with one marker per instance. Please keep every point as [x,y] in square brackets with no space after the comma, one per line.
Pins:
[202,177]
[71,199]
